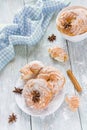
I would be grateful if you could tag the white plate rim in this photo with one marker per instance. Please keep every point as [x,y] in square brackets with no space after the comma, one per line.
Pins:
[26,109]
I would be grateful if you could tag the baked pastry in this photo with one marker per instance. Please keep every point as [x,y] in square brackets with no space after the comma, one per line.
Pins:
[72,20]
[58,54]
[36,93]
[31,70]
[53,77]
[42,84]
[73,102]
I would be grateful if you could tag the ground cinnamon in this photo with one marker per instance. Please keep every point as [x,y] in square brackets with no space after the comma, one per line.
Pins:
[74,81]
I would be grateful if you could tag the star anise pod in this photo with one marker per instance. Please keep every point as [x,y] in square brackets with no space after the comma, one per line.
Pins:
[18,90]
[67,25]
[12,118]
[52,38]
[36,96]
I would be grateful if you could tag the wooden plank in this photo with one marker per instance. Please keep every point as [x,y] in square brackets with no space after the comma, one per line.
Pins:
[29,2]
[78,58]
[8,78]
[10,74]
[8,8]
[63,119]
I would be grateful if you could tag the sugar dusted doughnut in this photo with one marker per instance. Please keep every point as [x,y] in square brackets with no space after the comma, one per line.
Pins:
[36,94]
[31,70]
[72,20]
[58,54]
[42,84]
[54,78]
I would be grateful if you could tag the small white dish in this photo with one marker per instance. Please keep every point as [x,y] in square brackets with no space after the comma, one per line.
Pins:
[76,38]
[52,107]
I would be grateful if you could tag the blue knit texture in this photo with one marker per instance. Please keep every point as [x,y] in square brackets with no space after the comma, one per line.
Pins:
[29,25]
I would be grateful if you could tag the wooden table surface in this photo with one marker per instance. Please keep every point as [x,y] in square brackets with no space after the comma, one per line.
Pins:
[63,118]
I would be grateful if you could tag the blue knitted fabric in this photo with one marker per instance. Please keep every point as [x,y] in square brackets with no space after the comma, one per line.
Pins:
[29,25]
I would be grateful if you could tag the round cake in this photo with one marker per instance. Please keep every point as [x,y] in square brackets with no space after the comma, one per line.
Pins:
[31,70]
[37,94]
[72,21]
[53,77]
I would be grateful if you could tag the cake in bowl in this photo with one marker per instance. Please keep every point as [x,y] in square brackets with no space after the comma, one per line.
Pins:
[72,22]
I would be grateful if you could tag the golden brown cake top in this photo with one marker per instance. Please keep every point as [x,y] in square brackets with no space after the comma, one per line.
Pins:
[72,20]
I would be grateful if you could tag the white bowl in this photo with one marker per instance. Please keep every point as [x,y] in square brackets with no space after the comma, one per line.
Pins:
[52,107]
[76,38]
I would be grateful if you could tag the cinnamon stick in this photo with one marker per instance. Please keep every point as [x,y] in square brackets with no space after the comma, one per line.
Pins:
[74,81]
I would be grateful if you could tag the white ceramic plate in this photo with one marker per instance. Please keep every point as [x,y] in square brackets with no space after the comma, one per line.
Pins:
[52,107]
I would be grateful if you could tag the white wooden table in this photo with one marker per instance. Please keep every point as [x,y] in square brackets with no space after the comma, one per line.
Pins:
[63,119]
